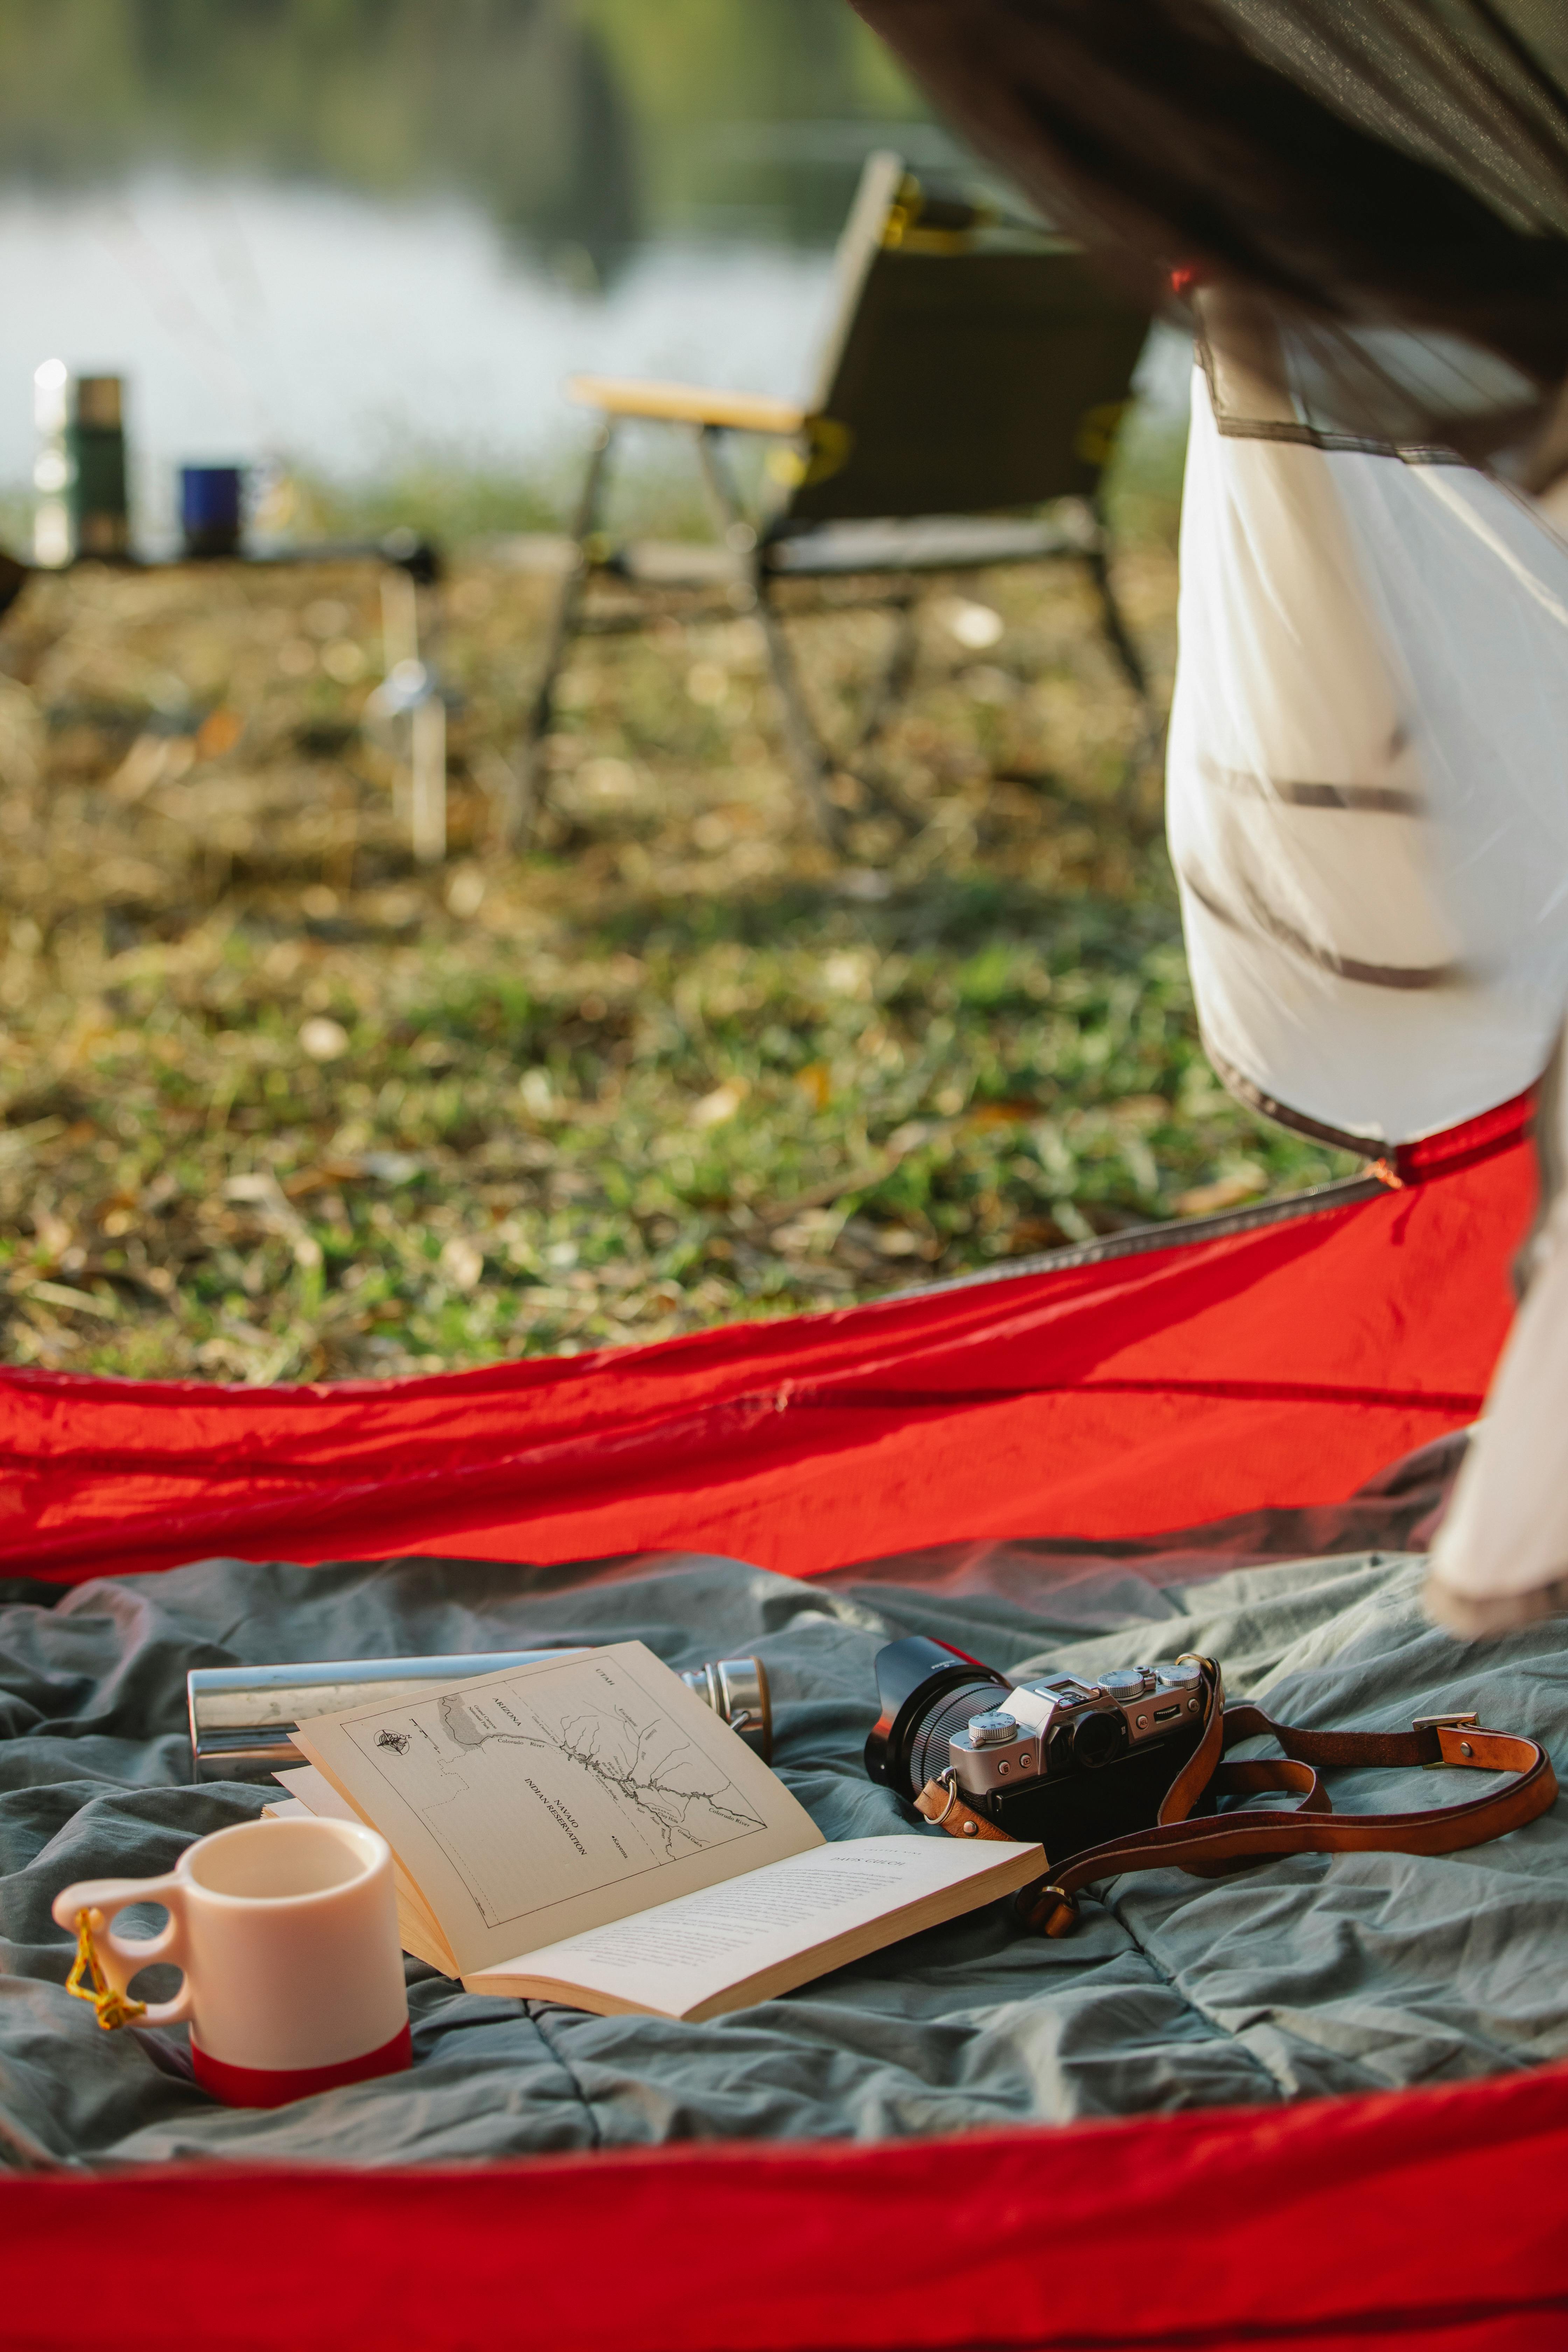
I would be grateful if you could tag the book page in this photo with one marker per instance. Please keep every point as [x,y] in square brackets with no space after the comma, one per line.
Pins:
[541,1801]
[312,1795]
[772,1929]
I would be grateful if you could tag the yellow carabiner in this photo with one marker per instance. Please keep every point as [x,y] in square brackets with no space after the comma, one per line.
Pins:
[86,1980]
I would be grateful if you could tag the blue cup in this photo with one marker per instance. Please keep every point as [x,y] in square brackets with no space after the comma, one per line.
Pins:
[211,498]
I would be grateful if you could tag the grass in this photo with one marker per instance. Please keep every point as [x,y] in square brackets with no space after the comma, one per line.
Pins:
[274,1106]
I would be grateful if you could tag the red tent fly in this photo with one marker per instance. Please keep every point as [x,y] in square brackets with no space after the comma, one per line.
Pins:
[1273,1357]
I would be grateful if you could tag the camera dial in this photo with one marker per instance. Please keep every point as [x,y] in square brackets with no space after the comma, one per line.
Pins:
[1184,1675]
[992,1728]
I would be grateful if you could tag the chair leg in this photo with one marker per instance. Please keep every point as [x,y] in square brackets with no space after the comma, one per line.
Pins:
[1117,635]
[526,800]
[892,683]
[1148,751]
[803,745]
[886,696]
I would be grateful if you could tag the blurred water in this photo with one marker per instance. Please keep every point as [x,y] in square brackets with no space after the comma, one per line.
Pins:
[349,336]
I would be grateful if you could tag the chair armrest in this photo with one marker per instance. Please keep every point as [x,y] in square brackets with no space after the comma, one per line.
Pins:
[686,404]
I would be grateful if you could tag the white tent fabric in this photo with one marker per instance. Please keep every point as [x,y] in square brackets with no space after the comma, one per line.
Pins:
[1368,778]
[1502,1554]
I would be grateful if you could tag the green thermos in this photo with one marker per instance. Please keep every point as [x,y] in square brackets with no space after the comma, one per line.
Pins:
[82,507]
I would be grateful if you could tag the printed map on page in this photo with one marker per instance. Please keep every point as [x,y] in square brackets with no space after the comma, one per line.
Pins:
[586,1746]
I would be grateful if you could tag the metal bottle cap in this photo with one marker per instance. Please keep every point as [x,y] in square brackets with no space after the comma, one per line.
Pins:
[737,1691]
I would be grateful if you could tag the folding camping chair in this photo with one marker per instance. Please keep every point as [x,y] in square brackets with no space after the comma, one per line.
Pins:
[973,376]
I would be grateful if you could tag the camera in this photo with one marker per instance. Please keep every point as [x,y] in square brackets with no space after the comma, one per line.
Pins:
[1057,1758]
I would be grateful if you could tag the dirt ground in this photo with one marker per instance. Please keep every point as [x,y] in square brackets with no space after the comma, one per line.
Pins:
[275,1104]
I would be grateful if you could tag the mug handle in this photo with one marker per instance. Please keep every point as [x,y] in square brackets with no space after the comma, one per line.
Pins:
[121,1959]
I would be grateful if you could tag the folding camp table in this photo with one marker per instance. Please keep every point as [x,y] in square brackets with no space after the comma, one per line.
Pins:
[410,565]
[970,380]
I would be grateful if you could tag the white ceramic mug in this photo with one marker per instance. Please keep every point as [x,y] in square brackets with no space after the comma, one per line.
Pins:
[287,1932]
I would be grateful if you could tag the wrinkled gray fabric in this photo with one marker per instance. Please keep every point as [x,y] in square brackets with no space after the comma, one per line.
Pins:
[1304,1976]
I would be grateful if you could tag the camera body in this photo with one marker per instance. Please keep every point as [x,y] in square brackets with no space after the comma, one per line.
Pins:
[1057,1758]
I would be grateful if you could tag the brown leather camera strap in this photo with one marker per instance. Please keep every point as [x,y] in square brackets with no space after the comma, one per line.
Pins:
[1217,1842]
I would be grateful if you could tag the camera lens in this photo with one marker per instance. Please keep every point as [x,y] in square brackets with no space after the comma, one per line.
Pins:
[1099,1740]
[949,1713]
[926,1692]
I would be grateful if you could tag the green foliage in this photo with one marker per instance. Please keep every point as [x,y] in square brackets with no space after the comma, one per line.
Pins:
[581,127]
[716,89]
[452,504]
[786,1102]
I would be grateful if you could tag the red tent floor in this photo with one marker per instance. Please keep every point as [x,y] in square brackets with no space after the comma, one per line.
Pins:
[1430,2217]
[1269,1360]
[1153,1382]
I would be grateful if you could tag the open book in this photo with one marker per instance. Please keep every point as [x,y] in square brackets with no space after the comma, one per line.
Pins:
[586,1830]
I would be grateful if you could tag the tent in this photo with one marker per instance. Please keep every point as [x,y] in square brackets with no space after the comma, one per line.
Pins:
[1140,1388]
[1276,1357]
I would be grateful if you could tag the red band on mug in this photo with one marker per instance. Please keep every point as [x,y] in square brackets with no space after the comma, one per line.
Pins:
[275,2086]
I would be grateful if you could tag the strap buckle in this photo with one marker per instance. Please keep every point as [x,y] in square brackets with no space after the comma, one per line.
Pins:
[1030,1904]
[1463,1719]
[1064,1918]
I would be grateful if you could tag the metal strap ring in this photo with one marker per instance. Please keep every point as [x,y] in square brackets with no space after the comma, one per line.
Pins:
[949,1780]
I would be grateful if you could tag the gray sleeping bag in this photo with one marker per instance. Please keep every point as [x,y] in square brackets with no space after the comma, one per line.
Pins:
[1305,1976]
